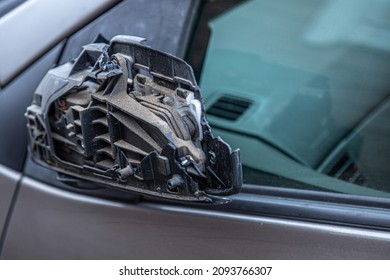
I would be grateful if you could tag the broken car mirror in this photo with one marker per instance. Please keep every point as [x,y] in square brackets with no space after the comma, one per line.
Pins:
[132,118]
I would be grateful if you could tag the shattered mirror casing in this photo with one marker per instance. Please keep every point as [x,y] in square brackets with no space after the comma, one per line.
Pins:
[132,118]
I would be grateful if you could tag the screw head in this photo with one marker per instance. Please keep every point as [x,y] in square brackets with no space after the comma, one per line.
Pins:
[212,157]
[167,100]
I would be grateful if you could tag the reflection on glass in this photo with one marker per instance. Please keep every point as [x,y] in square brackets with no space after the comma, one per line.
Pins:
[315,76]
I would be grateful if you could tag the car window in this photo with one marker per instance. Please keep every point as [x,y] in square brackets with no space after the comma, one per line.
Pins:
[302,88]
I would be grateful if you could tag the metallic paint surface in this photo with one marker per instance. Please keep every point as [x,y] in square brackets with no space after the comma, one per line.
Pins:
[42,23]
[50,223]
[8,182]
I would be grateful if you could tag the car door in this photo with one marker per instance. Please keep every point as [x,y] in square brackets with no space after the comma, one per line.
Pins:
[18,77]
[48,219]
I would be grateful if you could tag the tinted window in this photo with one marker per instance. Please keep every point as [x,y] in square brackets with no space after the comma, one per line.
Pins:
[302,88]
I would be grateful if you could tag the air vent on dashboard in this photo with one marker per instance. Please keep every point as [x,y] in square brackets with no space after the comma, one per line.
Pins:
[228,107]
[346,169]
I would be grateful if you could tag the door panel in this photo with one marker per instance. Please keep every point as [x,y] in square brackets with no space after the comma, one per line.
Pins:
[49,223]
[8,182]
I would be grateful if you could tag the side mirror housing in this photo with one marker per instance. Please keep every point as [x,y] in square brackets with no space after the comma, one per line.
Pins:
[132,118]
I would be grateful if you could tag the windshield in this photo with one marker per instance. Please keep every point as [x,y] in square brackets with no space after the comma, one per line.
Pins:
[301,87]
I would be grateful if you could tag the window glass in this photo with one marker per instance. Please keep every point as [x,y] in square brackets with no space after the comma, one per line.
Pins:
[302,88]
